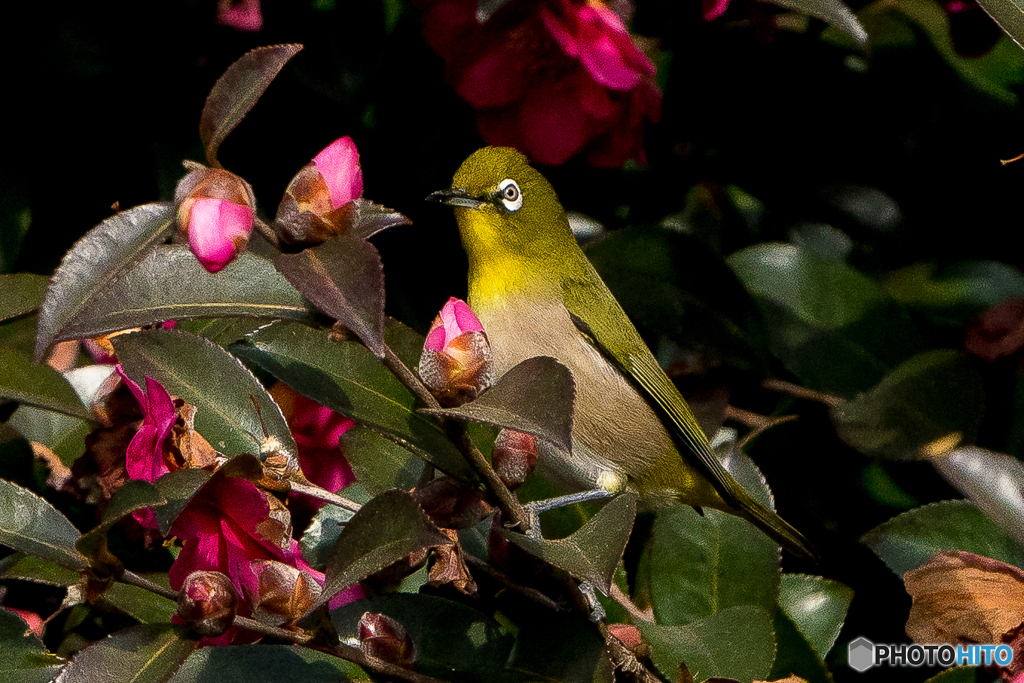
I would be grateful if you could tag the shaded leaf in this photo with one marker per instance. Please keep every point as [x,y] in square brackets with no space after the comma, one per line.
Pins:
[559,647]
[367,219]
[835,12]
[30,524]
[817,606]
[30,568]
[795,655]
[210,378]
[141,604]
[177,488]
[992,481]
[61,433]
[25,659]
[928,405]
[266,664]
[41,386]
[345,279]
[142,654]
[738,642]
[236,91]
[171,284]
[96,261]
[957,292]
[906,541]
[378,463]
[136,494]
[384,531]
[593,552]
[536,397]
[347,378]
[1009,14]
[21,293]
[221,331]
[322,532]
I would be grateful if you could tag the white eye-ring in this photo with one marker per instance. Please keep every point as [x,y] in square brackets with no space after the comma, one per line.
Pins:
[510,194]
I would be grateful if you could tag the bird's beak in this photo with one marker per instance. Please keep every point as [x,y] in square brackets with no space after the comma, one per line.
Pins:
[456,196]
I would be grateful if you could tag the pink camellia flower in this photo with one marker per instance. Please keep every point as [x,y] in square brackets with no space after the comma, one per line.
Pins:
[215,213]
[712,9]
[312,207]
[456,362]
[553,79]
[243,15]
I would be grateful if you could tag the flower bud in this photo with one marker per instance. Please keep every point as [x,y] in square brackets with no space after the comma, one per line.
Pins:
[382,637]
[215,213]
[282,593]
[207,602]
[515,456]
[456,362]
[309,212]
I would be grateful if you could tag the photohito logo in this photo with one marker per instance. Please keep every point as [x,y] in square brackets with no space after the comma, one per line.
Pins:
[863,654]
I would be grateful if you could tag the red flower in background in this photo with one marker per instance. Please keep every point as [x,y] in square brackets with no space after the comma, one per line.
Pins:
[553,79]
[242,15]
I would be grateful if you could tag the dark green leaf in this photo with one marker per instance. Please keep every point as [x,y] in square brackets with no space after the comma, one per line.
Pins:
[834,12]
[221,331]
[96,261]
[21,293]
[347,378]
[345,279]
[210,378]
[1009,14]
[406,342]
[322,532]
[30,524]
[906,541]
[559,647]
[385,530]
[738,642]
[266,664]
[134,495]
[817,606]
[177,488]
[378,463]
[41,386]
[368,219]
[930,403]
[144,605]
[957,292]
[452,641]
[237,90]
[30,568]
[593,552]
[535,397]
[25,659]
[61,433]
[148,653]
[171,284]
[992,481]
[795,655]
[694,566]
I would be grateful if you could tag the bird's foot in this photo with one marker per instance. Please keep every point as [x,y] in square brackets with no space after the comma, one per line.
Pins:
[538,506]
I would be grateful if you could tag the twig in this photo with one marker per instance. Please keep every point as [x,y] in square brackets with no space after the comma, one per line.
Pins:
[324,495]
[142,582]
[618,596]
[529,593]
[802,392]
[297,637]
[266,232]
[357,656]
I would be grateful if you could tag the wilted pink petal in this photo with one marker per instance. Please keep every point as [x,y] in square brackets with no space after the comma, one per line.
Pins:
[217,231]
[244,15]
[145,454]
[338,163]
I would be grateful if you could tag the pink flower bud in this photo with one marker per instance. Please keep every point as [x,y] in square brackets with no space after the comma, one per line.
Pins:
[456,362]
[215,213]
[309,212]
[208,602]
[382,637]
[515,456]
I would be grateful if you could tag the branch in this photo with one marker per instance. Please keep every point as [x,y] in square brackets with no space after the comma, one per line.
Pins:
[324,495]
[801,392]
[266,232]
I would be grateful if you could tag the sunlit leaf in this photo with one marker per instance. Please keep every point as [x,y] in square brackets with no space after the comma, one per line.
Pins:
[96,261]
[237,90]
[817,606]
[142,654]
[210,378]
[30,568]
[141,604]
[834,12]
[30,524]
[21,293]
[992,481]
[24,381]
[322,532]
[61,433]
[378,463]
[25,659]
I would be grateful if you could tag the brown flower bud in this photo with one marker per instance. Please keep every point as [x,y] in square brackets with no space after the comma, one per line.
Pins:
[382,637]
[207,602]
[515,456]
[282,594]
[215,210]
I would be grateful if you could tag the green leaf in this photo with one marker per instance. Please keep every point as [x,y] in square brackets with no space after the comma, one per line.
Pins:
[906,541]
[221,331]
[817,606]
[833,12]
[378,463]
[25,659]
[345,279]
[696,566]
[141,654]
[558,647]
[41,386]
[322,533]
[177,488]
[236,91]
[29,568]
[384,531]
[366,219]
[141,604]
[452,641]
[738,642]
[347,378]
[96,261]
[30,524]
[210,378]
[21,293]
[957,292]
[929,404]
[63,434]
[536,397]
[1009,14]
[992,481]
[593,552]
[171,284]
[266,664]
[135,495]
[795,655]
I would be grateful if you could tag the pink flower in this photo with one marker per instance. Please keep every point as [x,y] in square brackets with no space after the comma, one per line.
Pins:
[312,207]
[338,164]
[712,9]
[145,455]
[456,362]
[215,213]
[244,15]
[554,80]
[455,319]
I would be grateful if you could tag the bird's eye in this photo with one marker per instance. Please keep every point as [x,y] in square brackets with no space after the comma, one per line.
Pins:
[510,194]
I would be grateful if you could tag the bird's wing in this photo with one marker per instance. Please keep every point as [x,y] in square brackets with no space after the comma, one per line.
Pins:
[598,316]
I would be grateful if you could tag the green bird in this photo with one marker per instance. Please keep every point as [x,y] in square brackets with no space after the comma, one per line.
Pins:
[536,294]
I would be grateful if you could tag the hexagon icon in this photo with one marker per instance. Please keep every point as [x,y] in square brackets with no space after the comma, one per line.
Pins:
[862,654]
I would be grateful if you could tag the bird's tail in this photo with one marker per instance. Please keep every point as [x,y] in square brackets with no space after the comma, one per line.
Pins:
[776,528]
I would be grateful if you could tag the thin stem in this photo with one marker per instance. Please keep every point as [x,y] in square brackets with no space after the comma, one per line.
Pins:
[266,232]
[531,594]
[142,582]
[298,637]
[618,596]
[324,495]
[409,379]
[801,392]
[357,656]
